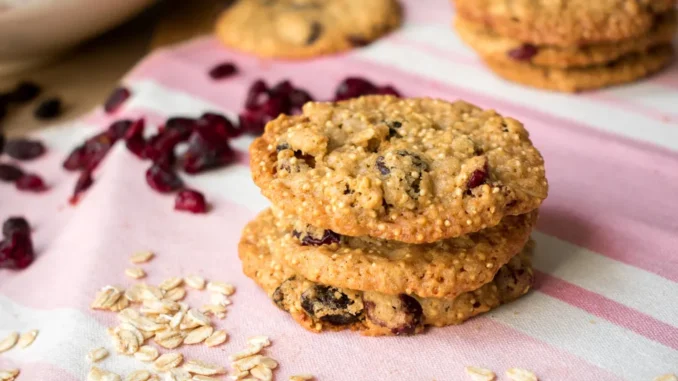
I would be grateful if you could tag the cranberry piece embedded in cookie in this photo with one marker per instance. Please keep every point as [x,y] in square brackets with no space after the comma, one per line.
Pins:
[15,225]
[48,109]
[163,179]
[383,169]
[477,178]
[328,237]
[31,183]
[24,149]
[223,70]
[523,53]
[10,173]
[190,200]
[116,99]
[331,305]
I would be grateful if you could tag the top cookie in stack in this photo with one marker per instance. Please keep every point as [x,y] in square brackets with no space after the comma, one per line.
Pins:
[569,45]
[392,214]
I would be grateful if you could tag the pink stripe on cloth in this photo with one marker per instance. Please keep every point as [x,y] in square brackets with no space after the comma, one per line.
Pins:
[589,204]
[607,309]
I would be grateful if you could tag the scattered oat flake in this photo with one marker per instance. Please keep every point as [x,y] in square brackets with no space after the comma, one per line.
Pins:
[203,378]
[198,335]
[180,374]
[666,377]
[138,375]
[247,363]
[175,294]
[98,374]
[135,272]
[97,354]
[219,299]
[217,338]
[517,374]
[203,368]
[197,317]
[168,361]
[301,377]
[27,338]
[259,340]
[195,281]
[260,372]
[146,353]
[213,309]
[9,342]
[221,287]
[171,283]
[106,298]
[250,351]
[169,339]
[480,374]
[141,257]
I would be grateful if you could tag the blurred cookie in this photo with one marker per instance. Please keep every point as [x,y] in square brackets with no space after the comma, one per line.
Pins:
[305,28]
[412,170]
[565,22]
[626,69]
[319,307]
[491,45]
[442,269]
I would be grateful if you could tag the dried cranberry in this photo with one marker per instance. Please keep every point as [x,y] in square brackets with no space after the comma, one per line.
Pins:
[48,109]
[223,70]
[76,159]
[17,251]
[134,138]
[10,173]
[24,149]
[299,98]
[477,178]
[251,122]
[208,148]
[116,99]
[214,119]
[181,127]
[31,183]
[15,225]
[523,53]
[282,89]
[163,179]
[271,109]
[354,87]
[329,237]
[24,92]
[118,129]
[256,94]
[388,90]
[84,182]
[190,200]
[95,150]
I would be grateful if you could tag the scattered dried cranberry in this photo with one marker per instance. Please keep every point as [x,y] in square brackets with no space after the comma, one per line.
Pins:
[17,251]
[48,109]
[24,149]
[76,159]
[190,200]
[208,148]
[24,92]
[477,178]
[31,183]
[116,99]
[134,138]
[163,179]
[282,89]
[219,121]
[388,90]
[96,148]
[353,87]
[223,70]
[15,225]
[299,98]
[118,129]
[10,173]
[84,182]
[256,95]
[251,122]
[523,53]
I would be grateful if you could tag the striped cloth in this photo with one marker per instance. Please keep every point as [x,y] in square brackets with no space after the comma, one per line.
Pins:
[605,303]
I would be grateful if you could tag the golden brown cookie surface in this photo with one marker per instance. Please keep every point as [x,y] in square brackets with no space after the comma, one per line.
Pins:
[442,269]
[319,307]
[412,170]
[565,22]
[626,69]
[487,43]
[305,28]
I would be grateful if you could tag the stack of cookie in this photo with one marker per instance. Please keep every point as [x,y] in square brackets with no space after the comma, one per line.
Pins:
[392,214]
[569,45]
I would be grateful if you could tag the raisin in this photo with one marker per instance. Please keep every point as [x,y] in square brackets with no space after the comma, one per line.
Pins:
[401,315]
[329,305]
